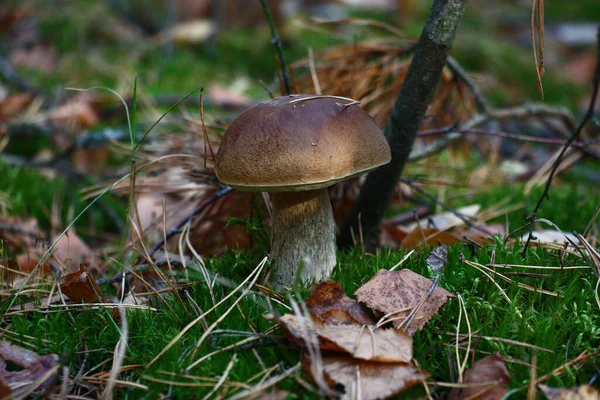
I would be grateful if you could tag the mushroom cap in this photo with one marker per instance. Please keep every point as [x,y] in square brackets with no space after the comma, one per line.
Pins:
[300,142]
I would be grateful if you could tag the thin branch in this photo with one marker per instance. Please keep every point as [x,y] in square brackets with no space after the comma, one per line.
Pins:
[467,220]
[276,41]
[480,103]
[512,113]
[586,118]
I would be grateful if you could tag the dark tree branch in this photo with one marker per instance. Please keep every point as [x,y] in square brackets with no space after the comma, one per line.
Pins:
[586,118]
[285,74]
[409,110]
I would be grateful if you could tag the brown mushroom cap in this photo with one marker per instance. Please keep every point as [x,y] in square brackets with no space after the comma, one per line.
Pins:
[290,145]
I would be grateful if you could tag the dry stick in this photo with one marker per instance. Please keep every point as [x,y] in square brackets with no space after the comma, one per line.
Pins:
[285,74]
[508,135]
[480,103]
[177,228]
[409,110]
[586,118]
[437,201]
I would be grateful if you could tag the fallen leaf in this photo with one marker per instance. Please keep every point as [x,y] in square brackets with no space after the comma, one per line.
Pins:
[551,236]
[190,32]
[5,391]
[329,303]
[489,369]
[381,345]
[437,259]
[20,232]
[446,220]
[76,114]
[33,369]
[71,251]
[377,381]
[392,291]
[583,392]
[428,237]
[232,95]
[82,287]
[14,104]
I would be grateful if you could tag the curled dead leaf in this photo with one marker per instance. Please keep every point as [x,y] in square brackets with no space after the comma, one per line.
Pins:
[329,303]
[375,380]
[489,369]
[583,392]
[28,372]
[381,345]
[82,287]
[70,251]
[398,292]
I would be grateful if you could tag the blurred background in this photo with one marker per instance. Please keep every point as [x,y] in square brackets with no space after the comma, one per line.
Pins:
[173,46]
[77,143]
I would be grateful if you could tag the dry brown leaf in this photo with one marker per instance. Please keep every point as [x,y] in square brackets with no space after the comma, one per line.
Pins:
[583,392]
[76,114]
[82,287]
[5,391]
[20,232]
[477,236]
[91,161]
[329,303]
[31,368]
[392,291]
[14,104]
[70,251]
[381,345]
[377,381]
[489,369]
[428,237]
[446,220]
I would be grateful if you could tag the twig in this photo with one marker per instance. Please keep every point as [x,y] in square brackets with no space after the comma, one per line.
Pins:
[525,138]
[407,114]
[464,218]
[177,228]
[586,118]
[480,103]
[512,113]
[285,74]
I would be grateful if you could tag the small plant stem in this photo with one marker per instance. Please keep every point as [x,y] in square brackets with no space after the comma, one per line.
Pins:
[285,74]
[586,118]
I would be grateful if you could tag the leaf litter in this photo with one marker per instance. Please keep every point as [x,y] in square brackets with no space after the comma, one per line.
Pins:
[372,361]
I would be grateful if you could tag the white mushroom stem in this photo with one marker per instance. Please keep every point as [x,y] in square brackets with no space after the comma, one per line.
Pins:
[303,237]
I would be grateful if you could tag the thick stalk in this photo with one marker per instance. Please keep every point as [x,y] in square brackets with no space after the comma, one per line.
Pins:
[303,237]
[408,112]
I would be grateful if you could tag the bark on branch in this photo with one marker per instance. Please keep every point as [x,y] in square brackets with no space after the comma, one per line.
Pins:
[409,110]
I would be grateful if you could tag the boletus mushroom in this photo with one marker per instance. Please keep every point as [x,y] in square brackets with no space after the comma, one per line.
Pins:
[296,147]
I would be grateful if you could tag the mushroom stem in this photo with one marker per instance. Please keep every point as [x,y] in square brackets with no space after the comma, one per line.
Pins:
[303,237]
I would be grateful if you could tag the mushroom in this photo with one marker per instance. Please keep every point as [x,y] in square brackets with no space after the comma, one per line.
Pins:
[295,147]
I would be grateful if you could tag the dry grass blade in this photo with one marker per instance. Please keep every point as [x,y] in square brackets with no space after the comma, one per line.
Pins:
[222,378]
[252,393]
[120,349]
[462,365]
[537,7]
[481,268]
[252,276]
